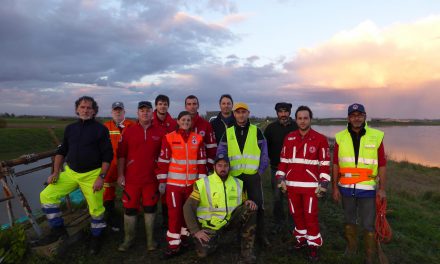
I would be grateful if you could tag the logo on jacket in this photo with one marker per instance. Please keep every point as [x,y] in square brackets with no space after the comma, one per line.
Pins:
[194,140]
[202,133]
[156,138]
[312,149]
[291,138]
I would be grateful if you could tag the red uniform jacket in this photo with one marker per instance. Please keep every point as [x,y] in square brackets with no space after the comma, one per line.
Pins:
[115,135]
[169,124]
[304,162]
[204,128]
[140,148]
[166,154]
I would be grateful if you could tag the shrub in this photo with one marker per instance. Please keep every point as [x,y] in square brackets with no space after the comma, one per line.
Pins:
[12,244]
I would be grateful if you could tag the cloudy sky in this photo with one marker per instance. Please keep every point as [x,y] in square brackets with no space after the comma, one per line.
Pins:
[325,54]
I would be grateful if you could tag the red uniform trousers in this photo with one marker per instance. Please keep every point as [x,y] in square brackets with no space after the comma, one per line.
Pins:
[134,193]
[177,231]
[110,183]
[304,210]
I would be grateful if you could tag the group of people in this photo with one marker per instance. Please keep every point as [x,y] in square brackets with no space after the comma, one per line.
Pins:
[208,175]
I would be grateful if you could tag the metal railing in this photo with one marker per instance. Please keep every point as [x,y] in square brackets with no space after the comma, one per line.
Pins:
[8,177]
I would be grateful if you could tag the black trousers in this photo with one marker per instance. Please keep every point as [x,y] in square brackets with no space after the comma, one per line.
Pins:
[252,185]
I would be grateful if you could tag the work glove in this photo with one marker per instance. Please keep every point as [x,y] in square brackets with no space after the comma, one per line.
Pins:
[282,186]
[321,190]
[162,187]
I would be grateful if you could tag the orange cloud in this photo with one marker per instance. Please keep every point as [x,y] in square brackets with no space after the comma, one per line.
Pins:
[402,56]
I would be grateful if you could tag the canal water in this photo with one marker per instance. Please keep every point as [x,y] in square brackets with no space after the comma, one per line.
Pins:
[417,144]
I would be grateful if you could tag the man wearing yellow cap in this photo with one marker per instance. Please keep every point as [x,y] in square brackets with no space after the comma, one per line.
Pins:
[246,148]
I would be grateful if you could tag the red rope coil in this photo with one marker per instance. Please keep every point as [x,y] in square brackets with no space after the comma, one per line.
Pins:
[383,228]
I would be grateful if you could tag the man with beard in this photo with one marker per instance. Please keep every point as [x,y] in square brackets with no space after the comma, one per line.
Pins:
[224,118]
[87,151]
[359,167]
[246,148]
[304,172]
[217,205]
[274,134]
[162,118]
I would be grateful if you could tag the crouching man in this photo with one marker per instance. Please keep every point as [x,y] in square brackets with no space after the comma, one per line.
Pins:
[217,205]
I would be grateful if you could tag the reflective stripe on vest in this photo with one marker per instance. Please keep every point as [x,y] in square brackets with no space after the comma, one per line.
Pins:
[368,156]
[217,200]
[183,170]
[354,175]
[248,161]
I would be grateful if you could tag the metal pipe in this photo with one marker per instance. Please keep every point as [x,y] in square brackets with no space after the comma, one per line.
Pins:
[28,158]
[42,167]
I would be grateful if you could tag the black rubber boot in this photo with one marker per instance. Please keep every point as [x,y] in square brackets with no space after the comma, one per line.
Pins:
[95,245]
[55,234]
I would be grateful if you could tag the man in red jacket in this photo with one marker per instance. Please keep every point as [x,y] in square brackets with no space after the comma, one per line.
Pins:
[115,127]
[202,127]
[138,151]
[304,172]
[162,118]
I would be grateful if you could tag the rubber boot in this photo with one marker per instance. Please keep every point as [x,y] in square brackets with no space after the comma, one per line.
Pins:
[129,232]
[149,231]
[56,233]
[351,237]
[262,239]
[164,215]
[112,218]
[247,255]
[370,247]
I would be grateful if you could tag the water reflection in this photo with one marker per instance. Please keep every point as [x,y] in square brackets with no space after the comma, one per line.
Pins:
[417,144]
[30,185]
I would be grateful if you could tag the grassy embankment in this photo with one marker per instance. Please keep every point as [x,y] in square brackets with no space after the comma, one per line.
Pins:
[413,203]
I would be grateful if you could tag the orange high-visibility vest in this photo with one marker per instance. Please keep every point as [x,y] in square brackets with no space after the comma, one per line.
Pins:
[354,175]
[183,170]
[115,134]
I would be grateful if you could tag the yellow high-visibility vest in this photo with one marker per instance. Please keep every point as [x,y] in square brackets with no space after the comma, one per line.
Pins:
[217,200]
[368,156]
[248,161]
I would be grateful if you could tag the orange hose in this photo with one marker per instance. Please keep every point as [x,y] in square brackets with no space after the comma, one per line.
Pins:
[383,228]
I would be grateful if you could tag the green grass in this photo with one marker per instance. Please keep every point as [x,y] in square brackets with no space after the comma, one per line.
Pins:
[15,142]
[413,203]
[414,215]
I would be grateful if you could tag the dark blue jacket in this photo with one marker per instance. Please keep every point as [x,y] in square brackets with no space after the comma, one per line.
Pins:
[86,145]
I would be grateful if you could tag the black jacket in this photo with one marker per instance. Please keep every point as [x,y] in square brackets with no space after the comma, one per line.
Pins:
[241,134]
[86,145]
[219,125]
[275,134]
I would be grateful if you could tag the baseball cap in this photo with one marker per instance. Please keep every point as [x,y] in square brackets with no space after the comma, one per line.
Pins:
[241,105]
[118,105]
[283,105]
[145,104]
[356,108]
[221,157]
